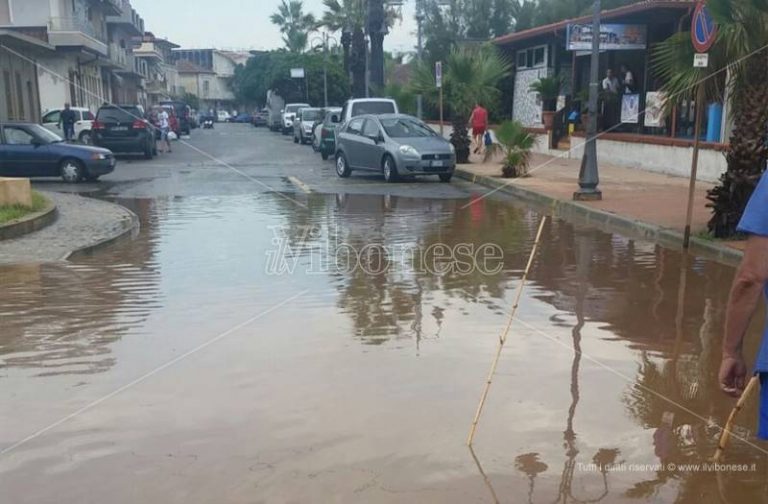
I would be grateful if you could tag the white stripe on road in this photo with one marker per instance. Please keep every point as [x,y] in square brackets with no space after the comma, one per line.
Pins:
[298,183]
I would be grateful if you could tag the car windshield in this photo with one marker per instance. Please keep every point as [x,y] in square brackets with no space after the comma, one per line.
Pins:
[311,114]
[373,107]
[292,109]
[406,128]
[114,114]
[45,135]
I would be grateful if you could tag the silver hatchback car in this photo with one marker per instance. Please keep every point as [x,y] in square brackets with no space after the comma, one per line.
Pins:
[394,145]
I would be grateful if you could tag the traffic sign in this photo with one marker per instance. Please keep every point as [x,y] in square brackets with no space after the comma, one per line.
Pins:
[703,28]
[439,74]
[701,60]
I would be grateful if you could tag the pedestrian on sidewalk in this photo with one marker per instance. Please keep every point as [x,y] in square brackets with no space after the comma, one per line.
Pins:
[67,120]
[164,121]
[479,123]
[748,287]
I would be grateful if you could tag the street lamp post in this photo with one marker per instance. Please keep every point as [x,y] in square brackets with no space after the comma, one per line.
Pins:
[588,174]
[325,41]
[420,52]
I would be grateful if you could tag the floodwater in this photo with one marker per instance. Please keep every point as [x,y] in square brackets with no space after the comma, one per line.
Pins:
[235,352]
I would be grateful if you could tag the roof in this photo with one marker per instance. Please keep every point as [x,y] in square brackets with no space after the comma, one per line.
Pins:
[554,28]
[186,66]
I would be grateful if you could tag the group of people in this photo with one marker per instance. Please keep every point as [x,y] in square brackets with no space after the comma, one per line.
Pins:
[613,87]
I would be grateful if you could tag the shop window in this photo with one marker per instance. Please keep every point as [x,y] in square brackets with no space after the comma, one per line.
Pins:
[20,97]
[534,57]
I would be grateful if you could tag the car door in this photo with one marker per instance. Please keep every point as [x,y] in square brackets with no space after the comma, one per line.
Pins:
[51,122]
[352,142]
[23,153]
[372,149]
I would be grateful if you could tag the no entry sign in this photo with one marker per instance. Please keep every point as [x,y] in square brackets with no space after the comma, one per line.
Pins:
[703,28]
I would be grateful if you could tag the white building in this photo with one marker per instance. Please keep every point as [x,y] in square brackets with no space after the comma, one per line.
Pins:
[207,73]
[163,82]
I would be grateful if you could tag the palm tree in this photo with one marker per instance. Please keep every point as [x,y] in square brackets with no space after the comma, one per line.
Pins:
[472,75]
[344,16]
[294,24]
[515,144]
[742,35]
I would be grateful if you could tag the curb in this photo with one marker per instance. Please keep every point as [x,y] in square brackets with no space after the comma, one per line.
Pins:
[30,223]
[131,225]
[606,221]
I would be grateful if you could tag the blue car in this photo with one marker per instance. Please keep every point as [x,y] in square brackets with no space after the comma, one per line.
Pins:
[242,119]
[30,150]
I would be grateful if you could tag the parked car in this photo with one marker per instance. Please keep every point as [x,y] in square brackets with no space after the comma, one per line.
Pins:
[183,114]
[363,106]
[289,115]
[394,145]
[242,118]
[260,118]
[83,123]
[124,129]
[303,124]
[223,116]
[30,150]
[324,137]
[194,122]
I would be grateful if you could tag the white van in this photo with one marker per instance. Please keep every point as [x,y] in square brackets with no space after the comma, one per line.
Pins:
[365,106]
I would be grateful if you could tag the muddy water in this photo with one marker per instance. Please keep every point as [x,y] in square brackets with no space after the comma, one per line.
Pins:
[233,353]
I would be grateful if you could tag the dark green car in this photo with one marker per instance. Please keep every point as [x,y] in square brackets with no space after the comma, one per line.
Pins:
[324,136]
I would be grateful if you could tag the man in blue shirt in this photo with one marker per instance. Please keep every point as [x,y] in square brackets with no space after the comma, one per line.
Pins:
[748,286]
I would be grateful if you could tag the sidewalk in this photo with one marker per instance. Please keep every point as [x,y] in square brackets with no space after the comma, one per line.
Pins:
[644,204]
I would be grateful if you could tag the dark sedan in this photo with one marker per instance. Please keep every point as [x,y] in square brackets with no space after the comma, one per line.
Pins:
[30,150]
[123,129]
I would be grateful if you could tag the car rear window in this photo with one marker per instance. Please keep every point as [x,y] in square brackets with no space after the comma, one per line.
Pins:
[122,114]
[407,128]
[311,115]
[375,107]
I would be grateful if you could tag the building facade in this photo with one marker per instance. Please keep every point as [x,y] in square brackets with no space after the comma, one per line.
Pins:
[208,73]
[128,73]
[163,81]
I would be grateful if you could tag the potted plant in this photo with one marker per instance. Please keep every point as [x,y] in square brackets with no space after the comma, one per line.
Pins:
[514,143]
[548,88]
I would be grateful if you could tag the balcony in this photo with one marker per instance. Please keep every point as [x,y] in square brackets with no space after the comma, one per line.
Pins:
[122,60]
[149,51]
[75,32]
[129,20]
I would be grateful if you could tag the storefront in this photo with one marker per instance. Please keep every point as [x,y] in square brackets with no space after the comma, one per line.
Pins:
[631,113]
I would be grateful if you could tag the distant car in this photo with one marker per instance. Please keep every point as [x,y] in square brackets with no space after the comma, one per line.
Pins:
[194,122]
[289,115]
[324,137]
[303,124]
[30,150]
[123,129]
[242,119]
[183,114]
[394,145]
[223,116]
[363,106]
[261,118]
[83,122]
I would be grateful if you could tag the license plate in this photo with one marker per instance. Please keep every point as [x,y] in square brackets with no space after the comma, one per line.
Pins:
[119,128]
[437,164]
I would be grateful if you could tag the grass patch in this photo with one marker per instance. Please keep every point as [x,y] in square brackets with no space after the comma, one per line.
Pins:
[13,212]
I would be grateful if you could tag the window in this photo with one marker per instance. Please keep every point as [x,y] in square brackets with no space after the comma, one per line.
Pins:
[206,88]
[373,107]
[371,129]
[355,126]
[8,94]
[31,98]
[20,96]
[15,135]
[406,128]
[52,117]
[534,57]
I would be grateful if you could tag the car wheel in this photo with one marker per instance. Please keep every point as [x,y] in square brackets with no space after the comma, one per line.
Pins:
[390,169]
[342,167]
[324,155]
[148,150]
[446,177]
[72,171]
[85,138]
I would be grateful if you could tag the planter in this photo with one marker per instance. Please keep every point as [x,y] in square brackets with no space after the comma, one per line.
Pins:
[462,155]
[548,118]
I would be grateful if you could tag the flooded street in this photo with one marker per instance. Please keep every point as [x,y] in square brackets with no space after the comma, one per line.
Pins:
[234,352]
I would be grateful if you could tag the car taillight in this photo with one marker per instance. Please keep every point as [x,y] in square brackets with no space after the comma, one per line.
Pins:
[139,124]
[97,125]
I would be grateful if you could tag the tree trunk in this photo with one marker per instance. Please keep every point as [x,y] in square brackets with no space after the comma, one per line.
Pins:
[747,154]
[357,63]
[377,61]
[346,43]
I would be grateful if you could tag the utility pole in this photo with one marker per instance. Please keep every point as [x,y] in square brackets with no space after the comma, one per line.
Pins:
[325,70]
[420,52]
[588,174]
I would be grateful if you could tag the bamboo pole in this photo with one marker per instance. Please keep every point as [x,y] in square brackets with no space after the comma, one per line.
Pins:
[725,436]
[503,335]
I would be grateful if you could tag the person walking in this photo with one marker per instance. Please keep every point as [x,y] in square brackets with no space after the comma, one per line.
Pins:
[627,80]
[164,121]
[67,120]
[479,123]
[750,283]
[611,87]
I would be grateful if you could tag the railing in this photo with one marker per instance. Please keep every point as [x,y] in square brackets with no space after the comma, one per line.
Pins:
[117,54]
[71,24]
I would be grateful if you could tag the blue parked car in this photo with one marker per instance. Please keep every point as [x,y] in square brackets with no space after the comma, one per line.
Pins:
[242,119]
[30,150]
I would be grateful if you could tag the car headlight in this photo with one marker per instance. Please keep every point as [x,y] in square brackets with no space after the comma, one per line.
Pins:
[98,156]
[453,149]
[408,150]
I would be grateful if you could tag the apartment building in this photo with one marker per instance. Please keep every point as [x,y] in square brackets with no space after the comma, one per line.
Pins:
[127,72]
[207,73]
[163,81]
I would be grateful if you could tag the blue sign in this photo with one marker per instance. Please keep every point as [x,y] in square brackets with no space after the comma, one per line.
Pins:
[703,28]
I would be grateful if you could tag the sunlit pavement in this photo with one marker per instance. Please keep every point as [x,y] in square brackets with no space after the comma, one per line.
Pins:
[276,334]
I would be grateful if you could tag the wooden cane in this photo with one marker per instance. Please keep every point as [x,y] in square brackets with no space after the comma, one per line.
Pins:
[503,336]
[725,436]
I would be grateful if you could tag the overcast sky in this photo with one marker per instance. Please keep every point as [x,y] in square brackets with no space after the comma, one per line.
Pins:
[241,24]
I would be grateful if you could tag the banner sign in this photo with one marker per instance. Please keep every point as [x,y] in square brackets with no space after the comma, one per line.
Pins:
[630,108]
[613,37]
[654,109]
